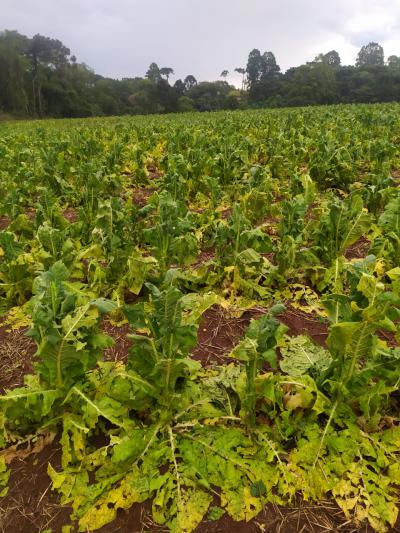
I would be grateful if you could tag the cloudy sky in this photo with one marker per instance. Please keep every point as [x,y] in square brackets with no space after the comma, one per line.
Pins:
[120,38]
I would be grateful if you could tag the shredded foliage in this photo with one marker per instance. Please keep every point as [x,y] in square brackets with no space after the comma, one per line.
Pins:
[242,211]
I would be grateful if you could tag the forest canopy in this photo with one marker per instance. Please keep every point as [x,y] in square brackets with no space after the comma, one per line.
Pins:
[40,77]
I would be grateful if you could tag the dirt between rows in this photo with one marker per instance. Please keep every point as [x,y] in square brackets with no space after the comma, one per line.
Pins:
[141,195]
[70,214]
[31,505]
[4,222]
[16,352]
[359,249]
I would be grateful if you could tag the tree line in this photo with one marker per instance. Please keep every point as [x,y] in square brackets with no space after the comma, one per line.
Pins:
[39,77]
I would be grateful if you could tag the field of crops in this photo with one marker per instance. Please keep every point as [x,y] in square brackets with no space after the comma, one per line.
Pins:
[202,312]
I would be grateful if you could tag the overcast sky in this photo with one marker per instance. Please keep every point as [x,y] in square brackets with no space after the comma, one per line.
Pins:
[120,38]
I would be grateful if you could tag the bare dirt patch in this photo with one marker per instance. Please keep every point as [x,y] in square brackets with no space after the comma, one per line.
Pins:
[70,214]
[204,257]
[30,505]
[358,250]
[396,176]
[225,213]
[312,212]
[389,337]
[154,173]
[301,323]
[30,213]
[16,352]
[303,517]
[120,350]
[219,333]
[270,224]
[4,222]
[141,195]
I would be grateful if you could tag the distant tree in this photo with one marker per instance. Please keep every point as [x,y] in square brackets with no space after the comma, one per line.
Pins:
[14,41]
[190,82]
[43,53]
[150,97]
[185,104]
[179,87]
[393,61]
[370,54]
[234,99]
[13,66]
[165,96]
[224,74]
[269,65]
[166,71]
[311,84]
[153,74]
[39,77]
[211,96]
[262,75]
[332,58]
[242,71]
[254,67]
[141,99]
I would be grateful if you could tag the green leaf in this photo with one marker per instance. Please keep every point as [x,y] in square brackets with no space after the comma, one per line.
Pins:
[215,513]
[4,477]
[356,227]
[258,489]
[301,356]
[390,219]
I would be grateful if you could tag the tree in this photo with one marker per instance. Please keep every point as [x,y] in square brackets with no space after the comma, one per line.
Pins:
[153,74]
[332,59]
[44,53]
[254,67]
[153,97]
[263,76]
[13,67]
[211,96]
[179,87]
[393,61]
[185,104]
[39,77]
[370,54]
[269,65]
[47,52]
[242,71]
[166,71]
[190,82]
[165,96]
[312,84]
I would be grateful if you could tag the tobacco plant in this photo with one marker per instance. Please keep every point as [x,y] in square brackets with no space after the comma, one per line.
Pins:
[300,206]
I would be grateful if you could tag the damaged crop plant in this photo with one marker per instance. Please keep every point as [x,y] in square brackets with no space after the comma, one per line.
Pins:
[257,213]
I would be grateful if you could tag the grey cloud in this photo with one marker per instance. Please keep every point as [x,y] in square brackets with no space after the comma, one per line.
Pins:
[122,37]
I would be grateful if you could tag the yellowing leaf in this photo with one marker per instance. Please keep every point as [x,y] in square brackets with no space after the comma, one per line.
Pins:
[129,491]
